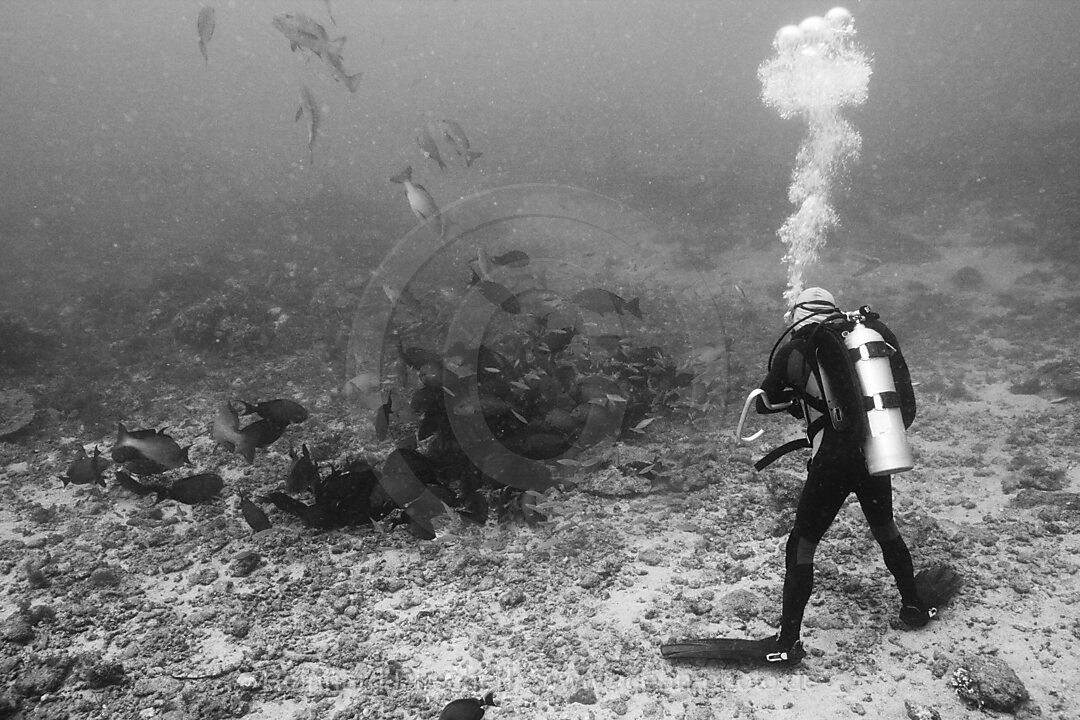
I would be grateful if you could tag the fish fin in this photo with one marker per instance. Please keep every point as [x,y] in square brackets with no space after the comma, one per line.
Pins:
[248,408]
[63,479]
[299,113]
[470,156]
[101,480]
[353,81]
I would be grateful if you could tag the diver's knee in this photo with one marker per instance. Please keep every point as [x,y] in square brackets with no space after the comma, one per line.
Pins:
[885,533]
[804,551]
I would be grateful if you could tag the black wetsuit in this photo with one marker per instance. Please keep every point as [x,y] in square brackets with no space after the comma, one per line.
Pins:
[836,470]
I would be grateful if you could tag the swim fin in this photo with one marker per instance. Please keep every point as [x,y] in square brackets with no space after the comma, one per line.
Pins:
[937,585]
[763,651]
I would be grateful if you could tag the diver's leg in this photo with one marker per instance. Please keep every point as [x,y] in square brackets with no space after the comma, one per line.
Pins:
[875,497]
[821,499]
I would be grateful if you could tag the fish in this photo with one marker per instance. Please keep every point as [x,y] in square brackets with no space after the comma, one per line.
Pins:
[382,418]
[420,200]
[304,33]
[281,411]
[337,69]
[205,25]
[456,135]
[602,302]
[259,434]
[303,472]
[192,490]
[253,514]
[226,428]
[429,147]
[132,485]
[514,259]
[499,294]
[153,445]
[309,104]
[468,708]
[86,470]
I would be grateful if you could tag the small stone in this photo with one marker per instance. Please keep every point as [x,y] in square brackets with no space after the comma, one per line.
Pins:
[590,580]
[16,628]
[585,696]
[247,681]
[244,563]
[921,712]
[511,598]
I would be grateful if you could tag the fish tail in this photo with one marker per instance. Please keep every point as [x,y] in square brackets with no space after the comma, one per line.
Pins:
[101,480]
[248,407]
[470,156]
[442,165]
[403,176]
[63,479]
[184,459]
[246,448]
[202,49]
[634,307]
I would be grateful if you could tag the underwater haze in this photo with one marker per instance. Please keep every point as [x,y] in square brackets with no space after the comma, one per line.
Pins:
[123,149]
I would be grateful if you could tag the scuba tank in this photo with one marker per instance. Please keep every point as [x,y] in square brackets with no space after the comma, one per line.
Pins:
[885,446]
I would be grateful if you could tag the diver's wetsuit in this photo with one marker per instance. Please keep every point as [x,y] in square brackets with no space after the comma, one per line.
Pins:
[836,470]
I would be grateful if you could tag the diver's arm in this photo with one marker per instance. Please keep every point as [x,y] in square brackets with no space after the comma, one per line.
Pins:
[777,385]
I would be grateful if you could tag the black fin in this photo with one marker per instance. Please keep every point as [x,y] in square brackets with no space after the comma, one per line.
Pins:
[937,585]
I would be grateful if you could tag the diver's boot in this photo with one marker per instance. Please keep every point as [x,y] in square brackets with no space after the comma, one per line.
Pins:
[798,586]
[913,611]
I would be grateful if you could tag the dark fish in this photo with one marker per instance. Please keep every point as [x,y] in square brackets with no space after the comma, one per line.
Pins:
[259,434]
[382,418]
[408,491]
[499,294]
[468,708]
[282,412]
[603,302]
[456,135]
[253,514]
[429,147]
[192,490]
[555,341]
[205,25]
[344,496]
[144,466]
[303,473]
[152,445]
[303,32]
[86,470]
[132,485]
[514,259]
[310,515]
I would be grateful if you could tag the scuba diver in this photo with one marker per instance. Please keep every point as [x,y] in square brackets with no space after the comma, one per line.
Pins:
[844,375]
[849,454]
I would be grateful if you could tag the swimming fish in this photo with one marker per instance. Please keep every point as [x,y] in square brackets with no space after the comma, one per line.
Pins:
[382,418]
[604,301]
[499,294]
[303,32]
[420,200]
[429,147]
[468,708]
[86,470]
[309,104]
[192,490]
[205,25]
[281,411]
[254,515]
[456,135]
[132,485]
[259,434]
[152,445]
[513,258]
[226,427]
[303,472]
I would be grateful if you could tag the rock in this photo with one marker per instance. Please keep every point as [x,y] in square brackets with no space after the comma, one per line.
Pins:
[247,681]
[9,706]
[989,683]
[42,675]
[17,628]
[16,411]
[585,696]
[99,673]
[916,711]
[244,563]
[511,598]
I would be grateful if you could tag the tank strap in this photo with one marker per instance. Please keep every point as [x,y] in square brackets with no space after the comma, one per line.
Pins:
[881,401]
[869,350]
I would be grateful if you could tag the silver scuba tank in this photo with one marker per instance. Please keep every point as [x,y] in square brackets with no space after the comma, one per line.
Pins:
[885,447]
